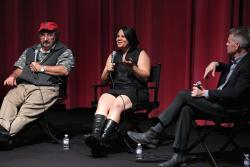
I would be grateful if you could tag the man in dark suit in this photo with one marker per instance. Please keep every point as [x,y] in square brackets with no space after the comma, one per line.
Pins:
[232,93]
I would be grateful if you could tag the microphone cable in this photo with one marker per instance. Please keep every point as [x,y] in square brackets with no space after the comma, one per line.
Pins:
[35,75]
[111,78]
[112,81]
[45,118]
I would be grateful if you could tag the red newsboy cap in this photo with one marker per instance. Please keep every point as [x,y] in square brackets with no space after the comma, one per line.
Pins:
[48,26]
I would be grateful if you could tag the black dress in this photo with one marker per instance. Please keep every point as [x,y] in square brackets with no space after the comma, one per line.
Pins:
[124,82]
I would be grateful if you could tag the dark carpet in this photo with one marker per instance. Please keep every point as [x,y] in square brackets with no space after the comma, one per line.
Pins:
[35,149]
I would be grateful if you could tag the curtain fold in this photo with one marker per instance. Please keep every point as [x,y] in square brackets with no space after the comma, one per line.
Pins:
[184,36]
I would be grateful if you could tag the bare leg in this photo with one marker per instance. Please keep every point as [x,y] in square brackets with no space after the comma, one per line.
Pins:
[104,104]
[120,104]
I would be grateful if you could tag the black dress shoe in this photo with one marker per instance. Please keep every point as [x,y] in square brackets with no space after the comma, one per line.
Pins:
[4,135]
[176,160]
[5,139]
[2,129]
[149,138]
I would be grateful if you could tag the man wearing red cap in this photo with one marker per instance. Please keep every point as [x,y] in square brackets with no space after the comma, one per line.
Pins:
[38,73]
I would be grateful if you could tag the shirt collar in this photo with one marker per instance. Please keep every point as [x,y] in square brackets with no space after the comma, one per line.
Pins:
[238,59]
[48,51]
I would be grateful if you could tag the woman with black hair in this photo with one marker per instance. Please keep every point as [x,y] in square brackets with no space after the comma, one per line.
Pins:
[127,68]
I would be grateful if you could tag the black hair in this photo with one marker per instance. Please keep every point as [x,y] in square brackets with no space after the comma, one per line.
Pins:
[131,36]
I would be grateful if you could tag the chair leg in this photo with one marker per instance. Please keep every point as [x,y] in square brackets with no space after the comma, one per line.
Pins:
[201,140]
[212,161]
[46,127]
[124,140]
[113,126]
[230,141]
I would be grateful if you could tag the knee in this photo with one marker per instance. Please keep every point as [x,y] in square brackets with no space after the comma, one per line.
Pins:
[183,94]
[9,99]
[186,111]
[117,106]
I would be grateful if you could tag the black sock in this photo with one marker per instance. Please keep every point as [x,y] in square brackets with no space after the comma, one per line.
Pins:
[180,152]
[158,128]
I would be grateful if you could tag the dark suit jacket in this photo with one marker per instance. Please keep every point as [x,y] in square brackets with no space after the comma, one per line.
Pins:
[237,92]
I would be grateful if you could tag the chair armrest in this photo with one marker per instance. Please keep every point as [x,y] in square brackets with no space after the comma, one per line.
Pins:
[154,88]
[152,102]
[95,89]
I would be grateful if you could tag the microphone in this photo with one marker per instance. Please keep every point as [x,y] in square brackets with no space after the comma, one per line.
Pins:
[35,59]
[112,61]
[113,56]
[198,84]
[36,54]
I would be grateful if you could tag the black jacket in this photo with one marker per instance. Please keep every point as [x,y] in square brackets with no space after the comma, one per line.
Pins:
[237,92]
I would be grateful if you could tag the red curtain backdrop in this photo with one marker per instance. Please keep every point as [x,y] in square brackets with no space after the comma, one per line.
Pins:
[182,35]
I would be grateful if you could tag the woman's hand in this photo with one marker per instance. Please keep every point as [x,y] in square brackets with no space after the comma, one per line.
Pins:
[110,66]
[129,62]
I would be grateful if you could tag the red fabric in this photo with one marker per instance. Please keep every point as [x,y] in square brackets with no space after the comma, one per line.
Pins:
[48,25]
[184,36]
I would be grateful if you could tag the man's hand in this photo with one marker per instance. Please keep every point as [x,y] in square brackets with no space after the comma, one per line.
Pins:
[210,68]
[35,67]
[196,92]
[10,81]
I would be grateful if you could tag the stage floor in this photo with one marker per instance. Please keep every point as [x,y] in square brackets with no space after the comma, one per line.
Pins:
[41,153]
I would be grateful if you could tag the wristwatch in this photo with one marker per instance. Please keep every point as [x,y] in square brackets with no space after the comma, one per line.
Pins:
[42,69]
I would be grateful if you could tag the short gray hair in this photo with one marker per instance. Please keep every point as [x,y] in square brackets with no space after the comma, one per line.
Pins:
[242,36]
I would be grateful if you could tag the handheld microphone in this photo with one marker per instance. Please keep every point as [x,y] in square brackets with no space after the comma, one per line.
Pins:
[112,61]
[36,54]
[113,56]
[198,85]
[35,60]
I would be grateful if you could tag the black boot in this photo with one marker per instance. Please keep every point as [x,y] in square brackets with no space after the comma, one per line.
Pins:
[110,127]
[93,140]
[101,150]
[149,138]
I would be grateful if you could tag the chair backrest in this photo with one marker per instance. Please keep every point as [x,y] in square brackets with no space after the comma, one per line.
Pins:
[153,88]
[138,118]
[155,73]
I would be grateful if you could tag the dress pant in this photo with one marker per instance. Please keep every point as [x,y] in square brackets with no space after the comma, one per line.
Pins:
[182,108]
[24,103]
